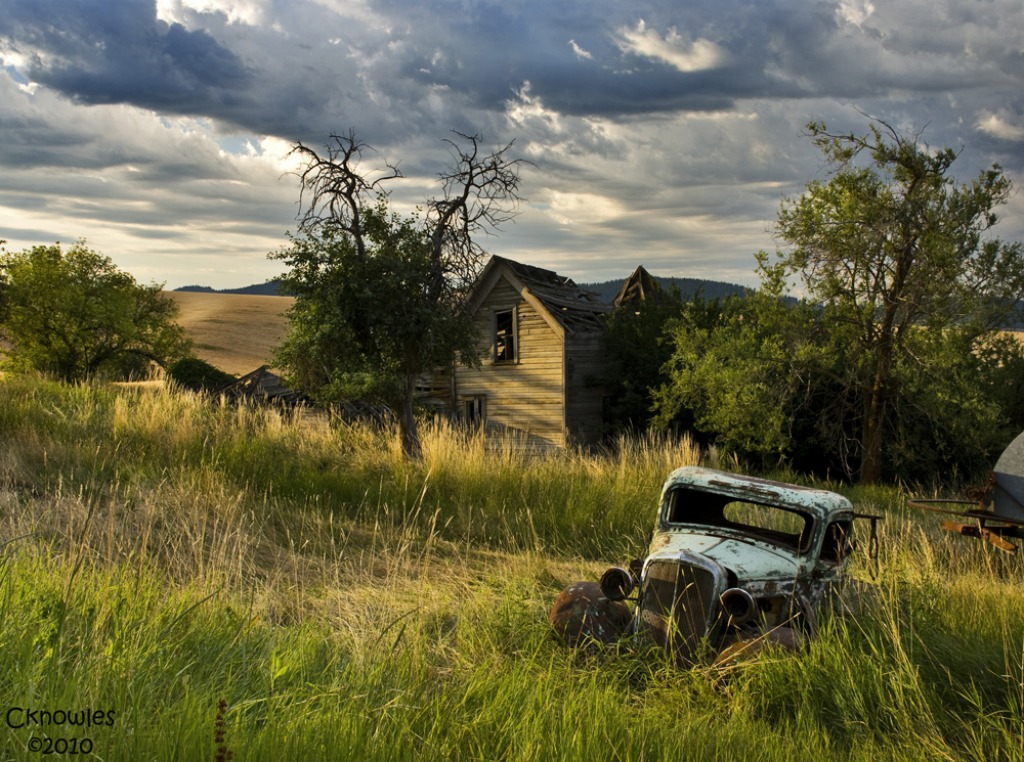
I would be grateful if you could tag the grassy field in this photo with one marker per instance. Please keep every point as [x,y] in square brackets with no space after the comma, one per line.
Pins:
[202,582]
[197,581]
[235,332]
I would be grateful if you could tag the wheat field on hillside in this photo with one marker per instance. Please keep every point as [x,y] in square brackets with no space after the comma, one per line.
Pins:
[235,332]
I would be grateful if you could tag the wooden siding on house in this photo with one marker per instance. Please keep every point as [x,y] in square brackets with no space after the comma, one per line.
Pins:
[548,394]
[585,365]
[527,394]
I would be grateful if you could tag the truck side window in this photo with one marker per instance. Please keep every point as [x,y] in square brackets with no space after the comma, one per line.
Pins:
[837,543]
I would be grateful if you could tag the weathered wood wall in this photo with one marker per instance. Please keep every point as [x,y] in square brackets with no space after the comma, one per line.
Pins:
[586,363]
[525,395]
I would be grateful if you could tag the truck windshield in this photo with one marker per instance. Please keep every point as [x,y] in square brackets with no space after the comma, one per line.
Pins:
[781,526]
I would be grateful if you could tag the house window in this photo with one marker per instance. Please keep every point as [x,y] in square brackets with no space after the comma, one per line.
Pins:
[505,336]
[474,410]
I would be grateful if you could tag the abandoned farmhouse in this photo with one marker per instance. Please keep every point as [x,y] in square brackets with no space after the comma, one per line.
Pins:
[541,354]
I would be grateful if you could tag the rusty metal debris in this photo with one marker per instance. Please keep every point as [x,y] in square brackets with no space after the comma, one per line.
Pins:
[995,511]
[735,563]
[583,612]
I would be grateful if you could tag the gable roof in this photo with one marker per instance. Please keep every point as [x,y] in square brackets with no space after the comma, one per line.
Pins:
[563,304]
[639,287]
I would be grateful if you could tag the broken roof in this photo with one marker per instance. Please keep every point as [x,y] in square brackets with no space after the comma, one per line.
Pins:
[572,307]
[262,384]
[639,287]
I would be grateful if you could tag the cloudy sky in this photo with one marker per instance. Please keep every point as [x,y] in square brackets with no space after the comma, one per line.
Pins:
[660,133]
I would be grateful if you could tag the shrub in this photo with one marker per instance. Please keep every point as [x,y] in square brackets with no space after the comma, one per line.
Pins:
[198,375]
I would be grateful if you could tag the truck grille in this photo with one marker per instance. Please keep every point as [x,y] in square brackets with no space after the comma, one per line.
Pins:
[679,603]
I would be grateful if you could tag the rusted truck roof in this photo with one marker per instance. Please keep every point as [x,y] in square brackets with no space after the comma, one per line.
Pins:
[821,503]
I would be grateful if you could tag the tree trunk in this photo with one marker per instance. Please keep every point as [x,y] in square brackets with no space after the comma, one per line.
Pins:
[871,444]
[872,437]
[407,420]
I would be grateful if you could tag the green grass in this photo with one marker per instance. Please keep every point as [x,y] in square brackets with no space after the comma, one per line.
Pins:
[165,555]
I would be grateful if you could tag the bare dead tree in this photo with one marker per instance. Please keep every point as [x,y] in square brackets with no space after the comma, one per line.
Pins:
[478,193]
[333,189]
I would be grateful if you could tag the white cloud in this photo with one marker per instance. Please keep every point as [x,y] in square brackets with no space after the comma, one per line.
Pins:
[1000,126]
[526,107]
[12,58]
[249,12]
[351,9]
[683,173]
[157,195]
[686,56]
[581,208]
[855,12]
[580,52]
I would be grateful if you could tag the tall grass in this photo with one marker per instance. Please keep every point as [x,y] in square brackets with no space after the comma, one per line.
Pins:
[174,561]
[465,486]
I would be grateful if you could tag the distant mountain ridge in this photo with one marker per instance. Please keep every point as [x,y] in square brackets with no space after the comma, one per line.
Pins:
[606,290]
[688,288]
[270,288]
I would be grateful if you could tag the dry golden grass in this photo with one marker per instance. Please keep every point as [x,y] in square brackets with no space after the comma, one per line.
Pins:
[235,332]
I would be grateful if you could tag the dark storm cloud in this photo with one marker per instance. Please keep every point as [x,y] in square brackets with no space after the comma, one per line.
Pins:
[103,51]
[769,50]
[293,84]
[488,51]
[654,128]
[315,71]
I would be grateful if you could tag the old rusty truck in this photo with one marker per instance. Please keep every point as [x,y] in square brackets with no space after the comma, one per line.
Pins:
[734,562]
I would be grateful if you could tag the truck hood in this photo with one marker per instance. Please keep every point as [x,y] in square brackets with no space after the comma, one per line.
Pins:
[750,560]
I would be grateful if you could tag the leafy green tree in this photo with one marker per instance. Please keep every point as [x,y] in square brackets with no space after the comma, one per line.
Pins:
[887,366]
[380,297]
[634,342]
[733,373]
[74,314]
[893,248]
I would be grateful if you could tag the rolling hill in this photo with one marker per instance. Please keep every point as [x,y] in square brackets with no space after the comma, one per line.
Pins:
[236,332]
[688,288]
[270,288]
